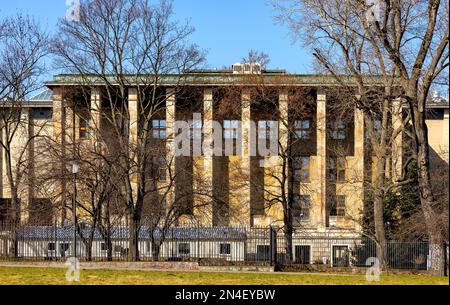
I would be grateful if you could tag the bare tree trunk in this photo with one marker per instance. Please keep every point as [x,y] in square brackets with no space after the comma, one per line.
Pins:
[288,240]
[378,212]
[133,255]
[435,236]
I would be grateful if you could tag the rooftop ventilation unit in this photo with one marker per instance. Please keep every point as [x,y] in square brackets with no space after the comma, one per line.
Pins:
[247,68]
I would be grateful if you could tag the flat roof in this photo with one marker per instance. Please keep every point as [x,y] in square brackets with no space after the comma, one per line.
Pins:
[211,78]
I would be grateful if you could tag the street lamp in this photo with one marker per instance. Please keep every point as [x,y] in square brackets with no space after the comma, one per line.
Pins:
[75,168]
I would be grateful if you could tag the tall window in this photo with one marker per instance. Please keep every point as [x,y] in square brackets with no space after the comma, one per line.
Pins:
[301,169]
[159,129]
[160,168]
[302,129]
[85,129]
[265,128]
[338,130]
[301,207]
[231,129]
[337,169]
[195,129]
[337,205]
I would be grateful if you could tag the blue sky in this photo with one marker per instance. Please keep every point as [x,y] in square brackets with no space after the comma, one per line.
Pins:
[227,29]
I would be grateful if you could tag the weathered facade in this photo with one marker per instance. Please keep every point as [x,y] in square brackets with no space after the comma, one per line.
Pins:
[330,158]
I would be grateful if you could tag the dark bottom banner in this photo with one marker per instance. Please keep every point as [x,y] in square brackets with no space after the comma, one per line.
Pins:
[227,294]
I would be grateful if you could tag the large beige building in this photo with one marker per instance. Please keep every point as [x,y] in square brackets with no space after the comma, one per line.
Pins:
[329,163]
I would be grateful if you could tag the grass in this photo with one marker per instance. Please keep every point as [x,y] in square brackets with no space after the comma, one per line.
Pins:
[55,276]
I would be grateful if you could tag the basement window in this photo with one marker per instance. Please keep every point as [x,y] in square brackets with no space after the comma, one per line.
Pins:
[225,249]
[184,249]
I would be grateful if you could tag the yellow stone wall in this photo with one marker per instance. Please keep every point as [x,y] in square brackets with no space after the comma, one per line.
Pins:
[239,166]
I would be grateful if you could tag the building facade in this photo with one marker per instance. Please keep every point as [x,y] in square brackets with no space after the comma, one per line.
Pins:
[324,150]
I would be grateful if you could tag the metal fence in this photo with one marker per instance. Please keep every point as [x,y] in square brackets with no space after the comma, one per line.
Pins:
[208,245]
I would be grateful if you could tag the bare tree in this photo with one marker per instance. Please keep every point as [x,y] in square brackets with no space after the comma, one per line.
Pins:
[276,180]
[129,44]
[406,44]
[22,49]
[257,57]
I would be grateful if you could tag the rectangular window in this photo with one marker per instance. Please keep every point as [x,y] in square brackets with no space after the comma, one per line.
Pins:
[231,129]
[262,252]
[340,256]
[5,210]
[51,247]
[225,249]
[42,114]
[159,129]
[338,130]
[63,248]
[337,205]
[195,129]
[266,129]
[160,168]
[302,255]
[301,169]
[103,247]
[184,249]
[85,129]
[376,130]
[337,168]
[302,129]
[301,207]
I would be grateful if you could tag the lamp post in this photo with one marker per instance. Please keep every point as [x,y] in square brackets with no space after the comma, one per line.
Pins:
[75,168]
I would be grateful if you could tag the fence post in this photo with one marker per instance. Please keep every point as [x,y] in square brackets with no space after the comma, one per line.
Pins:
[273,246]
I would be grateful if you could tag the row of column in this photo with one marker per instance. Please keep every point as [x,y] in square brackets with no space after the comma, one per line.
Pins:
[204,214]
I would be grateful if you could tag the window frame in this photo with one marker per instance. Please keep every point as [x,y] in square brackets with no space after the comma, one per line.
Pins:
[39,111]
[53,248]
[265,129]
[159,167]
[337,169]
[186,251]
[105,248]
[338,130]
[159,129]
[336,206]
[85,131]
[227,248]
[300,131]
[230,131]
[300,205]
[299,169]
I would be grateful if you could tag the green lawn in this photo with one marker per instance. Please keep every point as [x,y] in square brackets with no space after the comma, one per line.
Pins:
[54,276]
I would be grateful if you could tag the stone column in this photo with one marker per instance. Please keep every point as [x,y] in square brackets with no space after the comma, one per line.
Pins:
[239,170]
[96,115]
[59,133]
[397,143]
[273,171]
[133,110]
[2,167]
[203,166]
[22,137]
[444,149]
[320,197]
[170,133]
[356,202]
